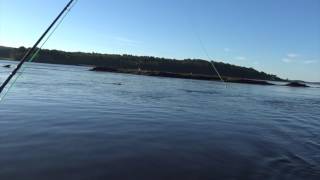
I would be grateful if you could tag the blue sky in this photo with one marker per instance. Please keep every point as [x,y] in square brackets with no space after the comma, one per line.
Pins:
[276,36]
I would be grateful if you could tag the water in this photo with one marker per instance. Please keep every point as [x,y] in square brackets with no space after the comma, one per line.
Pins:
[64,122]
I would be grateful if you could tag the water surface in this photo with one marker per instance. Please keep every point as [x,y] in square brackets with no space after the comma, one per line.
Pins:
[65,122]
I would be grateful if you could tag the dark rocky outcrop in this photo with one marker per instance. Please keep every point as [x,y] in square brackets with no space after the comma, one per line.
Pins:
[250,81]
[297,84]
[7,66]
[181,75]
[105,69]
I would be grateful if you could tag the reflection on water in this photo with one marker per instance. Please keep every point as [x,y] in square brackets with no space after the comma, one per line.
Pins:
[64,122]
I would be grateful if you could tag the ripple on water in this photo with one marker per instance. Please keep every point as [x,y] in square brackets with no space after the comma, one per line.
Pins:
[291,166]
[211,92]
[62,120]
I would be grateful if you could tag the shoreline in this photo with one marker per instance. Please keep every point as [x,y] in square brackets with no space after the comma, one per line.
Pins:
[298,84]
[294,84]
[182,76]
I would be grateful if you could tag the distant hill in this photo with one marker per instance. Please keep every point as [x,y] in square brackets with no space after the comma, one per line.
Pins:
[149,63]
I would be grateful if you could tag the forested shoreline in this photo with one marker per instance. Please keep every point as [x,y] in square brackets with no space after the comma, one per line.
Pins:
[131,62]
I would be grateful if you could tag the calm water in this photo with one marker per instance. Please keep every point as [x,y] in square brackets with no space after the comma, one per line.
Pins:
[64,122]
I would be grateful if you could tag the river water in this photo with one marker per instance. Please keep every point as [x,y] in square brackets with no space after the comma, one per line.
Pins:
[65,122]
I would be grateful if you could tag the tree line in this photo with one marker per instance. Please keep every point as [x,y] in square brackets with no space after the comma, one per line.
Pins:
[148,63]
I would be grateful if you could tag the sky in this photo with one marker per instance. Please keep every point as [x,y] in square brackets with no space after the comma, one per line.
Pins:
[281,37]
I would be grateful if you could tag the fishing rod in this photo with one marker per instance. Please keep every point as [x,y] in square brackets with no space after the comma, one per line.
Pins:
[34,48]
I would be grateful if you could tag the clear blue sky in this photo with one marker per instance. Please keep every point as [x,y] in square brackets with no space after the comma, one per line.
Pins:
[276,36]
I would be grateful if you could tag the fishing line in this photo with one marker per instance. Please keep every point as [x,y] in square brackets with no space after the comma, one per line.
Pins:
[204,49]
[20,72]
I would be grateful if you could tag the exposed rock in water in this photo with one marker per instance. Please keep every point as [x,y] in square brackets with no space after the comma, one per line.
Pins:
[250,81]
[7,66]
[118,84]
[180,75]
[104,69]
[297,84]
